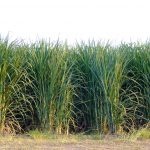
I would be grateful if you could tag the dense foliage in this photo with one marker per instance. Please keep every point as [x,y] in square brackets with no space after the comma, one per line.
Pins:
[63,89]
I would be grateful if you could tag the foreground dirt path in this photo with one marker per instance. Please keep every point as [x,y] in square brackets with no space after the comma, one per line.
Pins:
[27,143]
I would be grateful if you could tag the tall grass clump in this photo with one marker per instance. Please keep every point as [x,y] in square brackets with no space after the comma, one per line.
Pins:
[103,71]
[14,101]
[51,75]
[138,86]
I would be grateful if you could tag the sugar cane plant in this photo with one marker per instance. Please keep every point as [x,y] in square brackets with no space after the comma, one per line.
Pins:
[86,87]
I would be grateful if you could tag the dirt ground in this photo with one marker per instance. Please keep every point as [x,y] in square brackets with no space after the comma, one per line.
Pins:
[106,144]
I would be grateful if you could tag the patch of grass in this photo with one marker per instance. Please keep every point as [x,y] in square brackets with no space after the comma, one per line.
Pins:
[141,134]
[54,138]
[36,134]
[71,138]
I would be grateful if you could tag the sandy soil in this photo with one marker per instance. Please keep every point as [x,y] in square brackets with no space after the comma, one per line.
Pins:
[27,143]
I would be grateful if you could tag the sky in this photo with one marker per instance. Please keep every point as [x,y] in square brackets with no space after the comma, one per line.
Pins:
[76,20]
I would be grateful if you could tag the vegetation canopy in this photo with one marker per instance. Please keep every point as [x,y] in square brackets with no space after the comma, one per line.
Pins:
[90,87]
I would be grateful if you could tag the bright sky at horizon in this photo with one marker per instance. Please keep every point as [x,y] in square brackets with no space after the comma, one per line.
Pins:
[114,20]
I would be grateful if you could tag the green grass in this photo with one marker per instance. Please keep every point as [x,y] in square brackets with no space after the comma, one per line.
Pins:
[87,88]
[141,134]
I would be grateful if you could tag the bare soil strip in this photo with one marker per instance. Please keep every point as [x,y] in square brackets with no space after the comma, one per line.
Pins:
[27,143]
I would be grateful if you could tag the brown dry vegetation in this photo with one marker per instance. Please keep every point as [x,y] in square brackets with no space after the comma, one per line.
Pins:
[73,143]
[86,144]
